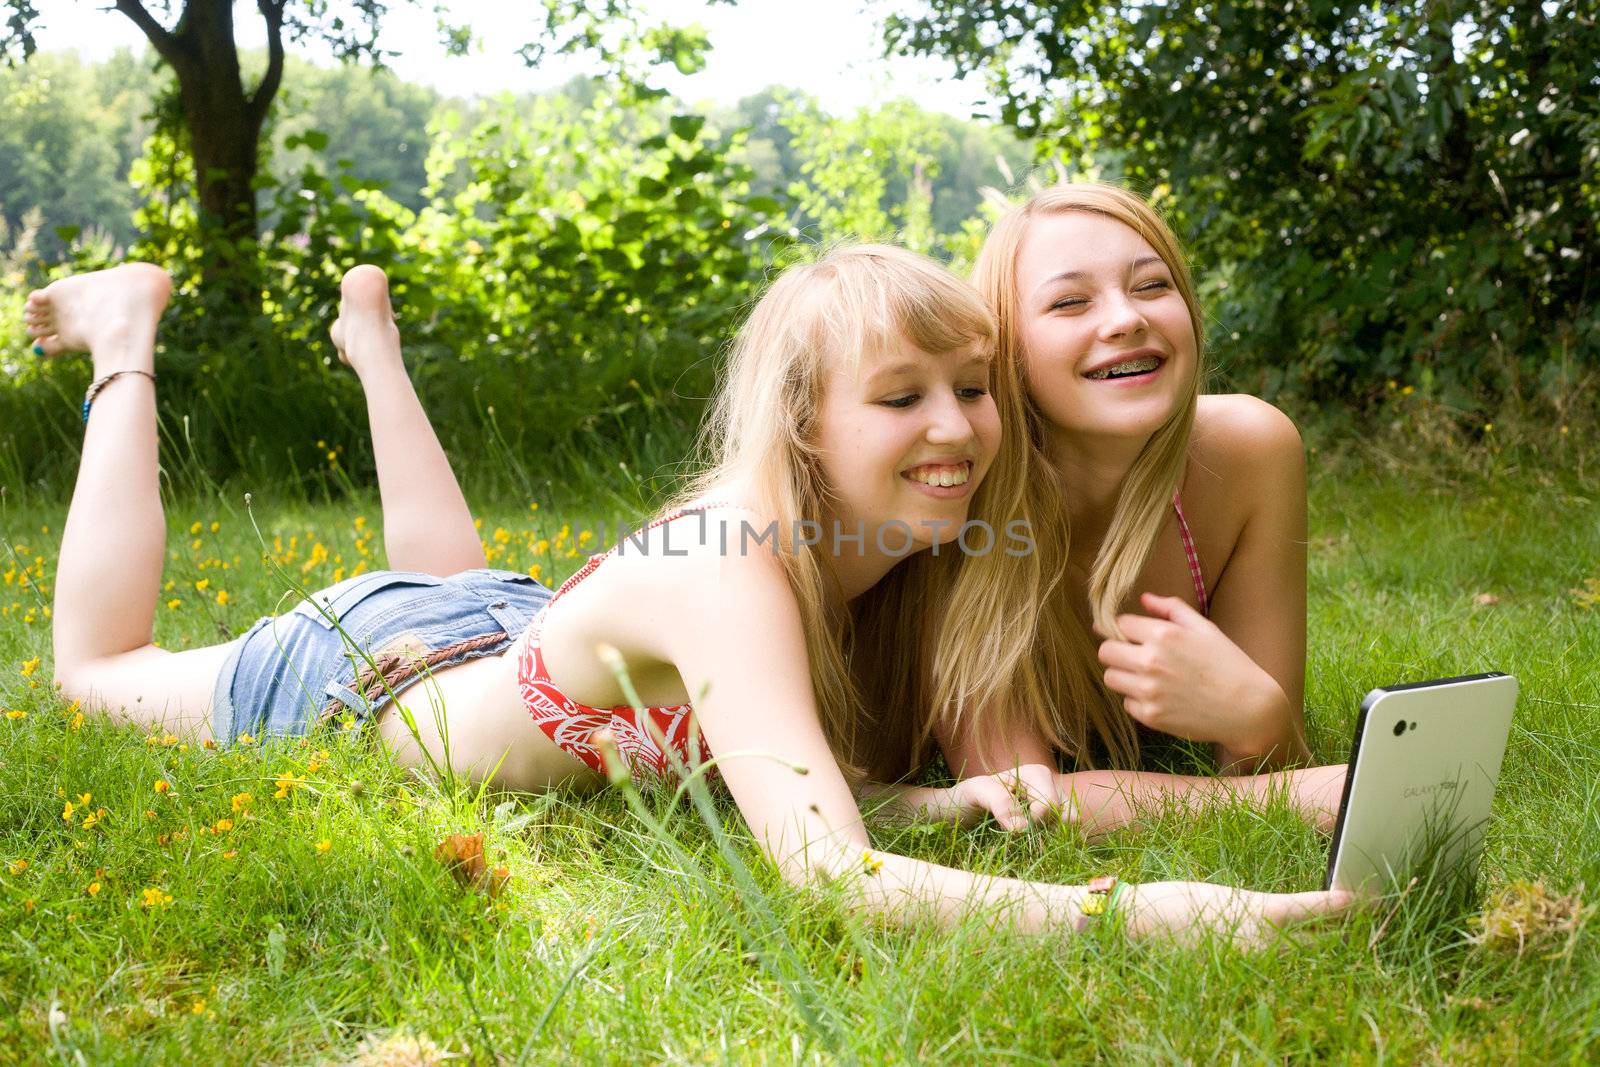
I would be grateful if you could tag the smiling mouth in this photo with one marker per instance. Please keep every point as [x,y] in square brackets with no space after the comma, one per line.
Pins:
[1128,368]
[943,475]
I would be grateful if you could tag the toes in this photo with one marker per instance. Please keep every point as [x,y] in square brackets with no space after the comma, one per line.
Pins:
[49,345]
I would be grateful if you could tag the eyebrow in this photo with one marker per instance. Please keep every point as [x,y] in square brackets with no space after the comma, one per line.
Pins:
[1075,275]
[910,366]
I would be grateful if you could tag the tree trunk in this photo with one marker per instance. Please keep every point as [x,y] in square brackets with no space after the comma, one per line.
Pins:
[224,125]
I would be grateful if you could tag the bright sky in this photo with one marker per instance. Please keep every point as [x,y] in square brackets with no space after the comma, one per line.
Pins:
[829,48]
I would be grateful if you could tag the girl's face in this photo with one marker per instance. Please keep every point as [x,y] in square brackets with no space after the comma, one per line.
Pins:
[906,439]
[1108,344]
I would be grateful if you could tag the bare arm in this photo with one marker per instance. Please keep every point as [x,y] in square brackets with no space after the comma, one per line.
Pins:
[745,651]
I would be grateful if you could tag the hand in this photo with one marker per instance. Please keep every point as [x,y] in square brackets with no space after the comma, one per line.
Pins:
[1185,910]
[1177,672]
[1028,795]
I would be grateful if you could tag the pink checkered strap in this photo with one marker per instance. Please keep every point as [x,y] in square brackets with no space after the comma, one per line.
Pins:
[1194,557]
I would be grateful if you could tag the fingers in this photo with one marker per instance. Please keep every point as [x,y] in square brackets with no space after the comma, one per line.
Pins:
[1284,908]
[1142,628]
[1122,655]
[1172,608]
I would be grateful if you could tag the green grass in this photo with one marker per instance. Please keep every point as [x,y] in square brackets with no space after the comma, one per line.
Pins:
[614,943]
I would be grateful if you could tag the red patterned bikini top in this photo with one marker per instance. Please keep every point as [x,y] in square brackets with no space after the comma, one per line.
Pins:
[571,725]
[1200,597]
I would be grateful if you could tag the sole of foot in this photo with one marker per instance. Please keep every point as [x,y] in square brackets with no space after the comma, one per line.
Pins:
[365,333]
[111,313]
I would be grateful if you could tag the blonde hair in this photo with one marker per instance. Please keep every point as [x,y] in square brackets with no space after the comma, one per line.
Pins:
[870,660]
[1063,672]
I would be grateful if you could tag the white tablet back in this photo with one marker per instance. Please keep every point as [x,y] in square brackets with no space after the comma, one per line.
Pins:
[1422,775]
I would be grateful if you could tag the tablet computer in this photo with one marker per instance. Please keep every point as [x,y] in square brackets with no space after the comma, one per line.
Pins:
[1423,768]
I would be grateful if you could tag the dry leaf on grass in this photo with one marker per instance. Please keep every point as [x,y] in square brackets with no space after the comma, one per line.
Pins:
[462,856]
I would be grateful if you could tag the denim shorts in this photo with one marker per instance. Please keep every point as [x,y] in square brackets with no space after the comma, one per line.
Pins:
[351,647]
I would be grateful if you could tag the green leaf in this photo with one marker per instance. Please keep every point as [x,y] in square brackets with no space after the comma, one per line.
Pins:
[687,126]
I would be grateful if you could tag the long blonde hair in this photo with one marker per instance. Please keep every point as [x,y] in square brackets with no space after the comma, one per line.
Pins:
[870,660]
[1064,672]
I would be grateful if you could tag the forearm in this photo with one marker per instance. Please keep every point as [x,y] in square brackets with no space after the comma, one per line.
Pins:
[1267,733]
[1109,800]
[903,889]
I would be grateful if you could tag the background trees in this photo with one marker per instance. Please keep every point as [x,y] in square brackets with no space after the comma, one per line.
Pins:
[1374,191]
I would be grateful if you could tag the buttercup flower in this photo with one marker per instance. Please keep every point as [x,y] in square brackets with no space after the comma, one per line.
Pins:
[154,897]
[287,782]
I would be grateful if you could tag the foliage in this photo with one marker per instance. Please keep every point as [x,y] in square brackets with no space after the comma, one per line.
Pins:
[309,922]
[572,274]
[1402,190]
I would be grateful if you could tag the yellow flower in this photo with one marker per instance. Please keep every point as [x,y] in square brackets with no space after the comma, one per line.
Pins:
[324,845]
[287,782]
[169,740]
[66,812]
[92,818]
[14,715]
[194,529]
[215,526]
[222,597]
[154,897]
[246,739]
[163,786]
[361,522]
[1408,390]
[208,744]
[84,798]
[222,826]
[30,666]
[241,802]
[93,889]
[77,721]
[201,585]
[198,1007]
[18,866]
[1488,427]
[232,852]
[870,863]
[172,605]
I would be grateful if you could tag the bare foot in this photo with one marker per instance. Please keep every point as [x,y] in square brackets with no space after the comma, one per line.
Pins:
[111,314]
[365,333]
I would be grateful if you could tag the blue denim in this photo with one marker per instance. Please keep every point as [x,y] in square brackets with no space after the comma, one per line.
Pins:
[288,671]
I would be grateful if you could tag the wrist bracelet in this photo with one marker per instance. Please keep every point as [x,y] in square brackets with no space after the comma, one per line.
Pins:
[1101,899]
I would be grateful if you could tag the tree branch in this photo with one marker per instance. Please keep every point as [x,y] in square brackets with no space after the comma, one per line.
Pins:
[165,43]
[261,99]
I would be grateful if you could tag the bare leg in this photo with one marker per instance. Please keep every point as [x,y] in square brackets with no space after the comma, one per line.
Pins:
[109,573]
[426,524]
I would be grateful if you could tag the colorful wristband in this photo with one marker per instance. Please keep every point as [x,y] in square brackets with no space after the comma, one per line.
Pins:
[1101,899]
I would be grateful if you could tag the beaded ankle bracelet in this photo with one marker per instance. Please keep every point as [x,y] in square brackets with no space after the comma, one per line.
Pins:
[100,383]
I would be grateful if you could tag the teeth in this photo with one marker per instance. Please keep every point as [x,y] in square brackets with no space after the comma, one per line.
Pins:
[941,476]
[1132,366]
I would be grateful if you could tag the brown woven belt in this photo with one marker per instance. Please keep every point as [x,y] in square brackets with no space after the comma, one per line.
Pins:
[389,672]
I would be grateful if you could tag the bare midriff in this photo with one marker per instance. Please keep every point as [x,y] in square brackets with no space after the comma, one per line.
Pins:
[480,710]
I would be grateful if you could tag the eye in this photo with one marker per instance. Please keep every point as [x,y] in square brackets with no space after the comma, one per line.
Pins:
[1157,285]
[900,402]
[972,392]
[1068,303]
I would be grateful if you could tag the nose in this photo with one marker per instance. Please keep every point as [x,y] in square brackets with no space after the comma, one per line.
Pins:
[949,421]
[1122,318]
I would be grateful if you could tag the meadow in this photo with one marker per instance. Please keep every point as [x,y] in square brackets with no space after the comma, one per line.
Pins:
[286,901]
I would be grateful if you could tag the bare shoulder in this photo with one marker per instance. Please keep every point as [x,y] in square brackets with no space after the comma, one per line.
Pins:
[1243,433]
